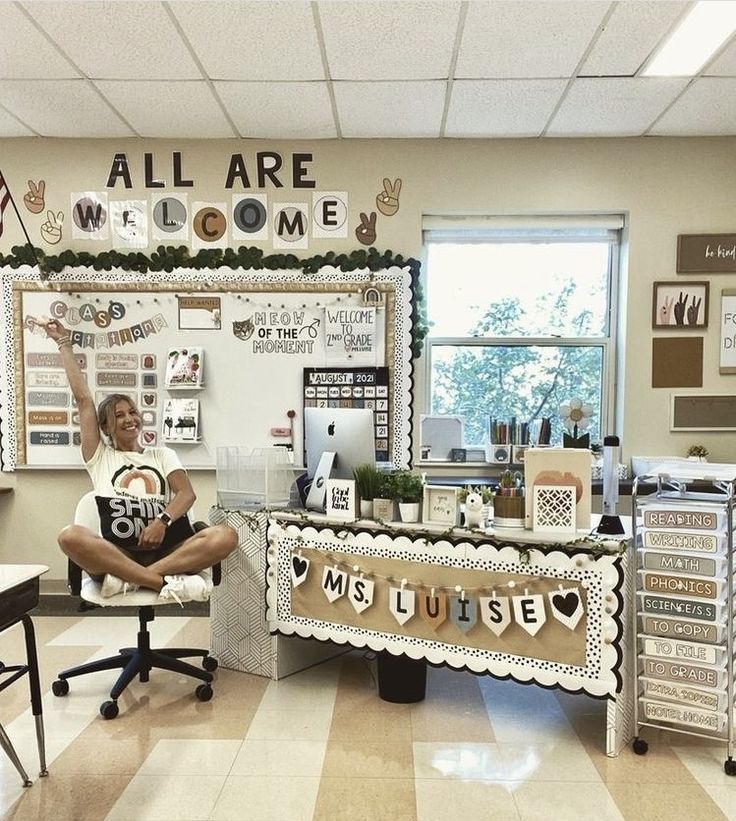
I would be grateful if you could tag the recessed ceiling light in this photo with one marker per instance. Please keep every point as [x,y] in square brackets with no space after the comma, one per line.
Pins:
[700,34]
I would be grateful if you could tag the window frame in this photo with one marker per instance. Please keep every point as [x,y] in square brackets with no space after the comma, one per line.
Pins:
[576,231]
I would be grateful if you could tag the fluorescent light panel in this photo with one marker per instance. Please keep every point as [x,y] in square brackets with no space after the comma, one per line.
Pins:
[700,34]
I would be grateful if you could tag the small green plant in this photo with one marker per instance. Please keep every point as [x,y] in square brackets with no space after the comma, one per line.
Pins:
[386,488]
[510,483]
[368,481]
[698,450]
[408,486]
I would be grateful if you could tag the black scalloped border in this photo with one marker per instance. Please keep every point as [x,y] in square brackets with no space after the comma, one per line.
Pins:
[617,617]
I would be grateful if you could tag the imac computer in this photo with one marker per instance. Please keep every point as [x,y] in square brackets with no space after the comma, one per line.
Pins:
[348,433]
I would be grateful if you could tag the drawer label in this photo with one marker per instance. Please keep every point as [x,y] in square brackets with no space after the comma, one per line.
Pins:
[681,564]
[696,542]
[670,648]
[682,715]
[674,671]
[680,607]
[680,585]
[678,518]
[681,629]
[678,692]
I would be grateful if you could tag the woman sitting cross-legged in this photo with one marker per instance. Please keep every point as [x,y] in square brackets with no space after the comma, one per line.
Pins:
[144,496]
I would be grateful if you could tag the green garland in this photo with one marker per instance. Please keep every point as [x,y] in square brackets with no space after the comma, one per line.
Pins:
[168,258]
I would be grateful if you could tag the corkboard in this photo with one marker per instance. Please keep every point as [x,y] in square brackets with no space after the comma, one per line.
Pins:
[677,362]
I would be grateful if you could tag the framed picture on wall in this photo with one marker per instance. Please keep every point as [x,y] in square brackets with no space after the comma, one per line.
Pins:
[680,305]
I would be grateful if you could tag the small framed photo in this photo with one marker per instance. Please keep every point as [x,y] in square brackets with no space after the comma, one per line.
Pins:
[458,455]
[340,502]
[680,305]
[441,505]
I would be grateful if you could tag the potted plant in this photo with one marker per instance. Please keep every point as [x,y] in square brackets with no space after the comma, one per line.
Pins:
[367,482]
[408,490]
[383,501]
[698,453]
[508,501]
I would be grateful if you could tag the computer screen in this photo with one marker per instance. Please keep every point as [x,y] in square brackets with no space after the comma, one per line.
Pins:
[348,432]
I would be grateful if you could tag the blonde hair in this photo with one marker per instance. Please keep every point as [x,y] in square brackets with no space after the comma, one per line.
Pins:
[106,412]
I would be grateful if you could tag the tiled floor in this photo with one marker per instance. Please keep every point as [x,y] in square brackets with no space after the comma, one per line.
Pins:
[321,745]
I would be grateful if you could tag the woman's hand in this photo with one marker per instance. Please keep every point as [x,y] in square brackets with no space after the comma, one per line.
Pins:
[54,329]
[152,536]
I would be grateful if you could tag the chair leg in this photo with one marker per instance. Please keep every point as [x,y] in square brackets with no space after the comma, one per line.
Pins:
[165,662]
[135,666]
[182,652]
[111,663]
[7,745]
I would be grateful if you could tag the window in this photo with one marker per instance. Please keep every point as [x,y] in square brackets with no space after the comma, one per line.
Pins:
[522,320]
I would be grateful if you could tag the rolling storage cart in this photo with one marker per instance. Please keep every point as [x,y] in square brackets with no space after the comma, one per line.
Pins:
[683,521]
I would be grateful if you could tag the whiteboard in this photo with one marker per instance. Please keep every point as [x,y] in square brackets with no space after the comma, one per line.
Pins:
[257,331]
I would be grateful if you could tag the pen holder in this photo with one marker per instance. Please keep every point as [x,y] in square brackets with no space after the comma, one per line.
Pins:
[508,511]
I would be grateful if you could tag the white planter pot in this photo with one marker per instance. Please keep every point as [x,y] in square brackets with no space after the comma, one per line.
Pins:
[366,508]
[409,511]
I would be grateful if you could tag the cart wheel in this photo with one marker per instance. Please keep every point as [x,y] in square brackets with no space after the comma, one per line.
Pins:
[203,692]
[209,663]
[109,709]
[640,746]
[729,766]
[60,687]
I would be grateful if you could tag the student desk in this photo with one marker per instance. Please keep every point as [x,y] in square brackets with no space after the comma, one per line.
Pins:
[18,596]
[541,608]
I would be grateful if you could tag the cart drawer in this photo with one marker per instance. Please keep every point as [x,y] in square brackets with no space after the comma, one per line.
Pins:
[690,652]
[682,541]
[683,629]
[699,721]
[701,697]
[693,518]
[677,606]
[694,587]
[693,674]
[693,565]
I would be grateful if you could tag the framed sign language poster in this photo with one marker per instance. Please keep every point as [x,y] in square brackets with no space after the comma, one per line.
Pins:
[680,305]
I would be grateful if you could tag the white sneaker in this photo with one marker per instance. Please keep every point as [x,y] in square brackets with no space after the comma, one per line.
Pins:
[182,588]
[112,585]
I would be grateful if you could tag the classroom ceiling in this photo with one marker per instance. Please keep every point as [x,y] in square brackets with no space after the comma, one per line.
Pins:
[351,69]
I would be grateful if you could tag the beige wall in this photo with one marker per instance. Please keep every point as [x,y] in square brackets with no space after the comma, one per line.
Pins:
[664,186]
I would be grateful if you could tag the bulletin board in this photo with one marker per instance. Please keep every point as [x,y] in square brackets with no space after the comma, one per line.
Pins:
[715,411]
[255,332]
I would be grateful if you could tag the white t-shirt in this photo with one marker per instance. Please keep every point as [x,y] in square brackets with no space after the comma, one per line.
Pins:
[127,473]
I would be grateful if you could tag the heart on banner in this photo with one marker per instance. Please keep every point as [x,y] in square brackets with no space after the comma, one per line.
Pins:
[567,607]
[299,570]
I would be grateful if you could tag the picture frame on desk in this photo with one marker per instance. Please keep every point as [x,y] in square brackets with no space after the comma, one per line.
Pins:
[499,454]
[340,501]
[441,505]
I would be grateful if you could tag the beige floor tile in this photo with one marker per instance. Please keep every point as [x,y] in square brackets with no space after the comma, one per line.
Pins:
[266,798]
[379,721]
[550,761]
[83,798]
[163,798]
[659,766]
[542,801]
[366,799]
[468,800]
[367,758]
[191,756]
[268,757]
[724,797]
[116,632]
[704,763]
[458,761]
[665,802]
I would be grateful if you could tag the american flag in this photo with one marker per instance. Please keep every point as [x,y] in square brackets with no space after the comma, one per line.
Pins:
[4,200]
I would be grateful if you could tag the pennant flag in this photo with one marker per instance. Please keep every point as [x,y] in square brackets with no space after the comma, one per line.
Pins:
[4,200]
[567,606]
[299,570]
[433,608]
[463,612]
[529,612]
[334,583]
[360,593]
[401,603]
[495,611]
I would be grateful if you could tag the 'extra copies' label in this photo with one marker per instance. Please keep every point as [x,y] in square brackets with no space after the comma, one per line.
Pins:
[694,542]
[670,691]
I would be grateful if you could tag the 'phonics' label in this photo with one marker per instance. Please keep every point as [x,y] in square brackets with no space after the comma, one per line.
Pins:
[680,585]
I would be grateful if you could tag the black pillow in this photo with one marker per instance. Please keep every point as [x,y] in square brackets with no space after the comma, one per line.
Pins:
[123,518]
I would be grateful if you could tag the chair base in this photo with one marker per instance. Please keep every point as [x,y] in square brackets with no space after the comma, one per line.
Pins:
[138,662]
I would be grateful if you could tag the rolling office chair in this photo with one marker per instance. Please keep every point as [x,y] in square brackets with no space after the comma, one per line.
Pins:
[139,660]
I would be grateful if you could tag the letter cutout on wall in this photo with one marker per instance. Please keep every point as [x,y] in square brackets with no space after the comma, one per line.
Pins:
[463,612]
[495,611]
[529,612]
[360,593]
[433,608]
[402,604]
[334,583]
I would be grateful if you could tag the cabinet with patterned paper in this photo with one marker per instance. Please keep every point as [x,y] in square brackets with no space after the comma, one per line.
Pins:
[683,521]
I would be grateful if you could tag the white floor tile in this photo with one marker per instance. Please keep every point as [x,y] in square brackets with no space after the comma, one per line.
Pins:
[267,757]
[163,798]
[191,756]
[463,761]
[267,798]
[467,800]
[551,761]
[706,764]
[565,802]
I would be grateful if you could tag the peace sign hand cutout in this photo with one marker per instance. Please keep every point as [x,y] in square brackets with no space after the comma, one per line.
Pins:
[366,231]
[51,229]
[33,199]
[387,201]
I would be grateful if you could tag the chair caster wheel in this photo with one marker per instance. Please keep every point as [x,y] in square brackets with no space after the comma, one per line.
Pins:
[203,692]
[109,709]
[729,766]
[60,687]
[28,783]
[43,774]
[640,746]
[210,664]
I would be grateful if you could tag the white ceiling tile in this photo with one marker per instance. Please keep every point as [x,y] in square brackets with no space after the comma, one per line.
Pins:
[613,106]
[253,41]
[529,39]
[117,40]
[279,110]
[10,127]
[631,34]
[62,108]
[167,109]
[725,64]
[410,109]
[389,41]
[25,52]
[501,108]
[707,108]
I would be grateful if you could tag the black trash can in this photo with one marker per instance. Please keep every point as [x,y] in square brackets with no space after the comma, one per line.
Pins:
[401,680]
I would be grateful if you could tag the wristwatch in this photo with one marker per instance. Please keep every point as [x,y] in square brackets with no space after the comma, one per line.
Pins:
[165,518]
